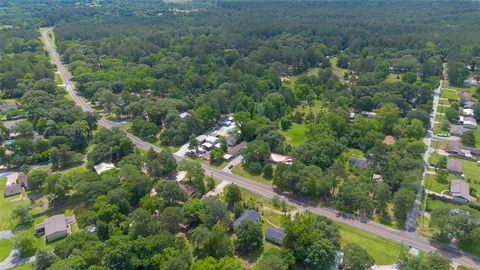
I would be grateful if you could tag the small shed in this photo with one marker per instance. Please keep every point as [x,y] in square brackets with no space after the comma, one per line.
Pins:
[200,139]
[250,214]
[457,130]
[274,235]
[469,122]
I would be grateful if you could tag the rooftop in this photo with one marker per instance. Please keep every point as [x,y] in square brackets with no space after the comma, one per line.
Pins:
[235,150]
[275,233]
[389,140]
[460,188]
[250,214]
[454,166]
[103,167]
[53,224]
[360,163]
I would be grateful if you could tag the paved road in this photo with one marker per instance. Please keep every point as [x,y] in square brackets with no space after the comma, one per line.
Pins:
[405,238]
[415,212]
[13,258]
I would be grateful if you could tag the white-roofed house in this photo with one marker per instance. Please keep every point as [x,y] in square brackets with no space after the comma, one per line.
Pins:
[103,167]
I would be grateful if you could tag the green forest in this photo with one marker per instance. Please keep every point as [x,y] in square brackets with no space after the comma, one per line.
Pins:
[344,90]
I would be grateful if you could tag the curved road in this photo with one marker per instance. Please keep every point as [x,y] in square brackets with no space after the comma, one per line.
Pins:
[402,237]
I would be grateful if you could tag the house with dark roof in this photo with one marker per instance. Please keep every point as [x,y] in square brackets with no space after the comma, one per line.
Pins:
[460,192]
[250,214]
[235,150]
[54,227]
[274,235]
[359,163]
[454,166]
[189,190]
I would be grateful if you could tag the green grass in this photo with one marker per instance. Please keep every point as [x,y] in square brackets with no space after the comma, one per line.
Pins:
[58,79]
[449,94]
[432,184]
[462,267]
[26,266]
[296,134]
[472,173]
[240,171]
[5,248]
[470,89]
[382,250]
[6,206]
[340,72]
[443,101]
[440,144]
[391,78]
[354,153]
[477,137]
[434,158]
[470,247]
[8,101]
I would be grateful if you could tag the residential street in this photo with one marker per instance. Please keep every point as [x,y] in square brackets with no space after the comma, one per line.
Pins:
[415,212]
[13,259]
[405,238]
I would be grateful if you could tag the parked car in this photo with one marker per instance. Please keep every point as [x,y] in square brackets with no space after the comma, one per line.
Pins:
[230,166]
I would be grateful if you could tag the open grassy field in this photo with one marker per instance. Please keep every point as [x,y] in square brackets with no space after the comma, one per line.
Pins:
[296,134]
[5,248]
[383,251]
[432,184]
[477,136]
[340,72]
[391,78]
[470,89]
[472,173]
[7,205]
[449,94]
[240,171]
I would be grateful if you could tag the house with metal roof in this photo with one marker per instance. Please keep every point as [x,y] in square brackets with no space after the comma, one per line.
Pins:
[274,235]
[360,163]
[250,214]
[12,190]
[460,192]
[54,227]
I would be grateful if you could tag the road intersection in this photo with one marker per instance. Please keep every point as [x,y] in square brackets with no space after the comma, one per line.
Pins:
[408,239]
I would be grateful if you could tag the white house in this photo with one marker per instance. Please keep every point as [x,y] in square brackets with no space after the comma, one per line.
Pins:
[184,114]
[468,112]
[469,122]
[212,140]
[103,167]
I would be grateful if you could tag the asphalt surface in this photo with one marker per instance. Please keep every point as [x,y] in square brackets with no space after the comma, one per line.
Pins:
[416,211]
[402,237]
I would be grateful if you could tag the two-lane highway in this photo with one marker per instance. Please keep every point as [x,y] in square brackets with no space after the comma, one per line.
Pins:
[408,239]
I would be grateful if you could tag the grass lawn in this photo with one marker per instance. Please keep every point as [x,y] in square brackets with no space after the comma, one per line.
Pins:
[296,134]
[434,158]
[354,153]
[472,248]
[340,72]
[462,267]
[7,205]
[8,101]
[317,107]
[443,101]
[391,78]
[58,79]
[240,171]
[477,137]
[472,173]
[470,89]
[449,94]
[26,266]
[432,184]
[383,251]
[5,248]
[440,144]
